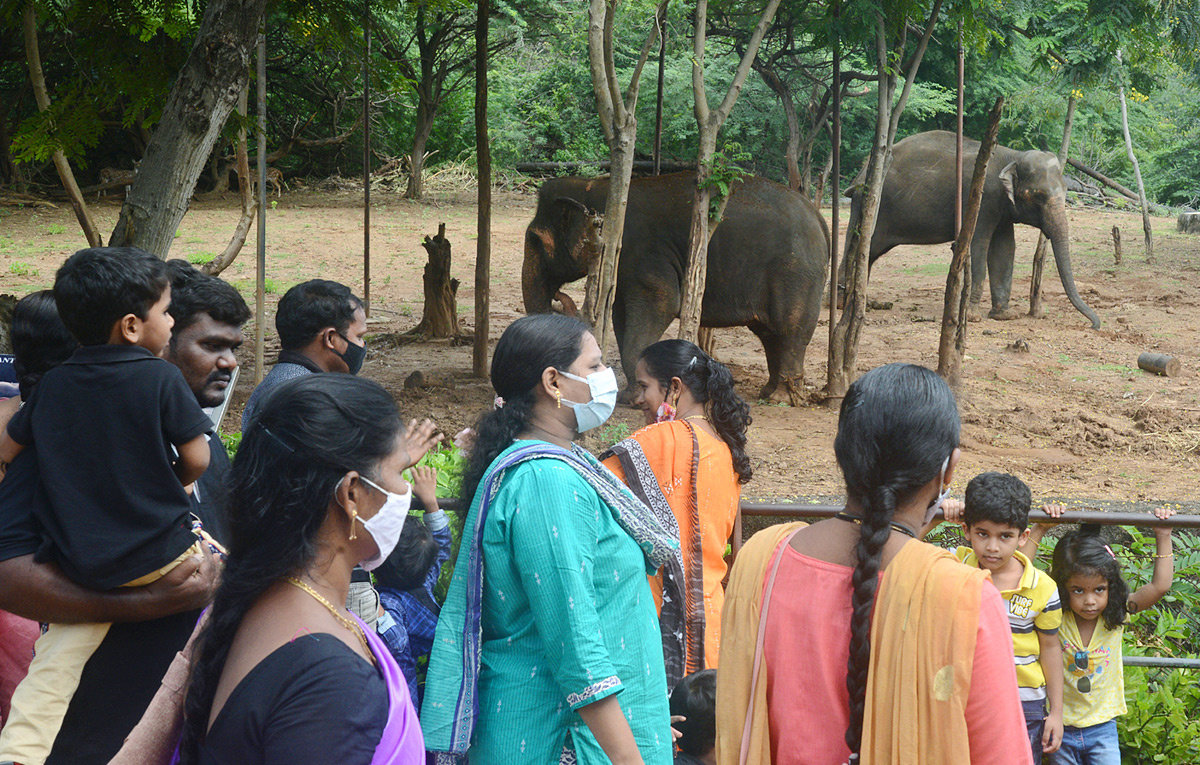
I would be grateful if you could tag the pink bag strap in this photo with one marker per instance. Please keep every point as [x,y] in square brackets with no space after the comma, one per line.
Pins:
[744,752]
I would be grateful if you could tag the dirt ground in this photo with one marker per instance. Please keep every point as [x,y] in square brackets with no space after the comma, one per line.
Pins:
[1072,414]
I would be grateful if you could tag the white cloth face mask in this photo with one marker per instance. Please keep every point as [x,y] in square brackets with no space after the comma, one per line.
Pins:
[937,505]
[594,413]
[385,526]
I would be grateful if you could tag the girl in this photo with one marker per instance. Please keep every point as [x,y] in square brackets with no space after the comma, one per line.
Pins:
[1097,600]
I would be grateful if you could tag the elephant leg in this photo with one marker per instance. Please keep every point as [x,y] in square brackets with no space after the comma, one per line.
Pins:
[1001,252]
[640,316]
[773,350]
[979,267]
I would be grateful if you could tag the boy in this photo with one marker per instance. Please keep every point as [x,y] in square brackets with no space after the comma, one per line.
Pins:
[996,522]
[694,718]
[406,580]
[108,422]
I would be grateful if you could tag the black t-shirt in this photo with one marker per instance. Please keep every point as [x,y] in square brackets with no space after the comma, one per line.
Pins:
[211,494]
[312,700]
[104,422]
[18,533]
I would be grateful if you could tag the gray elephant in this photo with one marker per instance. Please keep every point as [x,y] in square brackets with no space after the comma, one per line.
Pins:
[917,207]
[767,264]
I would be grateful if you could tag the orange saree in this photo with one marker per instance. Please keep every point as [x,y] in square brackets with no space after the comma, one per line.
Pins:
[681,470]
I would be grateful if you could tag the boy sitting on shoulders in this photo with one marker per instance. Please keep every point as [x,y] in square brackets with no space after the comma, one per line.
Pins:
[995,520]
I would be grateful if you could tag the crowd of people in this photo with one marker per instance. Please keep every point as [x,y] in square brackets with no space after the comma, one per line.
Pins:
[159,604]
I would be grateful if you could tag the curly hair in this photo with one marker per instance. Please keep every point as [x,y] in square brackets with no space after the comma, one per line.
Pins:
[710,384]
[898,425]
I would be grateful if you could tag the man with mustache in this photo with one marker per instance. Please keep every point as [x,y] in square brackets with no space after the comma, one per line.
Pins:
[152,623]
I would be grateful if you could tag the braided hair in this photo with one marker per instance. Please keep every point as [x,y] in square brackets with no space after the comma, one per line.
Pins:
[527,347]
[710,384]
[307,435]
[898,425]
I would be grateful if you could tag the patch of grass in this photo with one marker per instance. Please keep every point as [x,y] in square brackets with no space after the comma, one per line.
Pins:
[928,269]
[270,286]
[54,229]
[1064,358]
[21,268]
[200,258]
[1119,368]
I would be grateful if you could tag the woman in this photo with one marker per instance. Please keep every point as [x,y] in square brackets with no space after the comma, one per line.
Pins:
[282,671]
[872,646]
[689,465]
[549,615]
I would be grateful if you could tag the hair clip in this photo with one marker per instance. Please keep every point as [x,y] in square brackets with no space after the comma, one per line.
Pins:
[277,439]
[498,403]
[1110,552]
[691,363]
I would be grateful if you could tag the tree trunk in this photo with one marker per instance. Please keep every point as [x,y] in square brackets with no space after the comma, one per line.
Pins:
[1137,174]
[38,80]
[843,351]
[439,318]
[424,126]
[709,126]
[1039,254]
[246,193]
[200,101]
[618,121]
[483,162]
[818,195]
[1109,182]
[953,339]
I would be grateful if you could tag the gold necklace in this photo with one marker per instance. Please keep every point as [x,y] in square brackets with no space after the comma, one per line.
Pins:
[697,417]
[347,623]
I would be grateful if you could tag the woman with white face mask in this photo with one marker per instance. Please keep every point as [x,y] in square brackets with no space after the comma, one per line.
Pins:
[283,672]
[547,647]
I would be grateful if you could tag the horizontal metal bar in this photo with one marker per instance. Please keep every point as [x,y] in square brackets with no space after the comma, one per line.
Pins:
[1160,661]
[804,510]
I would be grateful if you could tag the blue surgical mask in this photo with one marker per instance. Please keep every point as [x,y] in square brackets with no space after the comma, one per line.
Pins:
[937,505]
[594,413]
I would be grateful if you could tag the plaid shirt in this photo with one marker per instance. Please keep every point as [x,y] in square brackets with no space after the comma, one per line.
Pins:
[408,624]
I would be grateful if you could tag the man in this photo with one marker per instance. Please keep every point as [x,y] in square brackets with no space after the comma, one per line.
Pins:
[150,623]
[321,326]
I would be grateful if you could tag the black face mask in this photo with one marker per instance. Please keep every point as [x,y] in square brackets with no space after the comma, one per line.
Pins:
[354,355]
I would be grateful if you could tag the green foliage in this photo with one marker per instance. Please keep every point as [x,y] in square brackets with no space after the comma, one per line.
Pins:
[611,434]
[231,442]
[21,268]
[723,173]
[200,258]
[450,463]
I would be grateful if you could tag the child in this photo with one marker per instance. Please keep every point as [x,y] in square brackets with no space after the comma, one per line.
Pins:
[105,423]
[405,582]
[694,716]
[1098,599]
[996,523]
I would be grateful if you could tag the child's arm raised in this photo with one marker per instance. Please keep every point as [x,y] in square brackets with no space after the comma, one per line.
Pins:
[1029,547]
[193,459]
[1164,567]
[424,483]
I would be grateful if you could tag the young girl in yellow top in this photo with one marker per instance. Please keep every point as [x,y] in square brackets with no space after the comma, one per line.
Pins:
[1096,600]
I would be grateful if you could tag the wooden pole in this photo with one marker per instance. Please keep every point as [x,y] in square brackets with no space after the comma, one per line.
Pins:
[1116,235]
[835,140]
[483,160]
[260,285]
[958,142]
[1137,173]
[658,103]
[366,107]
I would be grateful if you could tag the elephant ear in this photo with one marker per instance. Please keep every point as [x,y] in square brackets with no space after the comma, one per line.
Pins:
[1008,179]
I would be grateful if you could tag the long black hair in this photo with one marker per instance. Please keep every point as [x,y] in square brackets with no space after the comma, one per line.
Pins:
[527,347]
[1084,552]
[710,384]
[306,436]
[898,426]
[40,339]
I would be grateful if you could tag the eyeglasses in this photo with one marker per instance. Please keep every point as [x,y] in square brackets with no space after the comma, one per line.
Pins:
[1084,684]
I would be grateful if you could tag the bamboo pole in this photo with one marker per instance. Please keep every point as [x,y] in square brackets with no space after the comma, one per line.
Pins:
[260,281]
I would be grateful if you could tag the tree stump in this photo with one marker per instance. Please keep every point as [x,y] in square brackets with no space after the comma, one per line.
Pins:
[1116,235]
[1159,363]
[1189,222]
[439,318]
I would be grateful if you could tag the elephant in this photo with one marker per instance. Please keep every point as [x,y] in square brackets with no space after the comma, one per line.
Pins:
[767,264]
[917,207]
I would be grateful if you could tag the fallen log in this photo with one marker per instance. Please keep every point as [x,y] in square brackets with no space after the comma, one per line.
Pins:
[640,167]
[1125,191]
[1159,363]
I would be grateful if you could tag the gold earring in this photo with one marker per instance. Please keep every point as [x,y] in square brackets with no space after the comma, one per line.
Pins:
[558,397]
[353,518]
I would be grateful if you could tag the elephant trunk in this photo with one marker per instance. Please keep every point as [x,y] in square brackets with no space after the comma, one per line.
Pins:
[1057,232]
[535,288]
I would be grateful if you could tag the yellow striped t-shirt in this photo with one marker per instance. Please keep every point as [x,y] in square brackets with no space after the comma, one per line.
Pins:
[1033,607]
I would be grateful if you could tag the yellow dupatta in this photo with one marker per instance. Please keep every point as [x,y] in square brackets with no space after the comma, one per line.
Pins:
[922,650]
